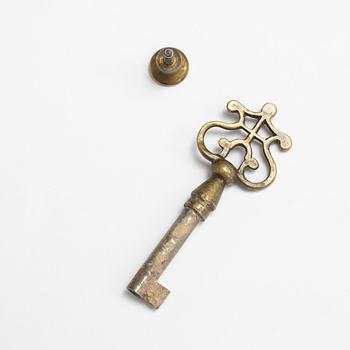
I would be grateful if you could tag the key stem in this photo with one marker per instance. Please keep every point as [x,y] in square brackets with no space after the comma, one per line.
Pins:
[203,200]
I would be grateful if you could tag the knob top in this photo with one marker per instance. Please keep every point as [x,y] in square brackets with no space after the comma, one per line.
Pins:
[169,66]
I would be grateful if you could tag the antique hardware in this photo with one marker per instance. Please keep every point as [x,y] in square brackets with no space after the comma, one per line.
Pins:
[169,66]
[205,198]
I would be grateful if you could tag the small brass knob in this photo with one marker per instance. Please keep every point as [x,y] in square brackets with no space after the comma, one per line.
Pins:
[169,66]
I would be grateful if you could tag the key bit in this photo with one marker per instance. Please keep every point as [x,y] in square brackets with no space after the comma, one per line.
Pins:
[205,198]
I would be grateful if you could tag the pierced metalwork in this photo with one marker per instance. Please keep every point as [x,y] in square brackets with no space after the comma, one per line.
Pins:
[263,118]
[205,197]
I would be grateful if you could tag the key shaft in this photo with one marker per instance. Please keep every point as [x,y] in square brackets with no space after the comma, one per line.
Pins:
[204,199]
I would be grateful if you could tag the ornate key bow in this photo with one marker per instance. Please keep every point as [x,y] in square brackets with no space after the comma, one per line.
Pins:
[205,198]
[264,118]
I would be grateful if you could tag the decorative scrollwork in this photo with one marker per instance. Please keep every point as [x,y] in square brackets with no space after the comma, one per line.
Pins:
[264,117]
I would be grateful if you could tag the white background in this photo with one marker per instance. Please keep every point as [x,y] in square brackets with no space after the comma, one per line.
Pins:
[96,160]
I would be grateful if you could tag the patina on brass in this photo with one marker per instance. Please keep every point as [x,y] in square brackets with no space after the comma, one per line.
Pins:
[263,118]
[205,198]
[169,66]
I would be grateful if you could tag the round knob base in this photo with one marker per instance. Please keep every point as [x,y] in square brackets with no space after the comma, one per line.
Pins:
[169,66]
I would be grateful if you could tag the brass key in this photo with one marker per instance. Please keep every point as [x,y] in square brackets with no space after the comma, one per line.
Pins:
[205,198]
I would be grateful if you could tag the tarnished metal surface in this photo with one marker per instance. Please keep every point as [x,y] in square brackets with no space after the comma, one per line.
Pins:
[263,119]
[169,66]
[145,284]
[205,198]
